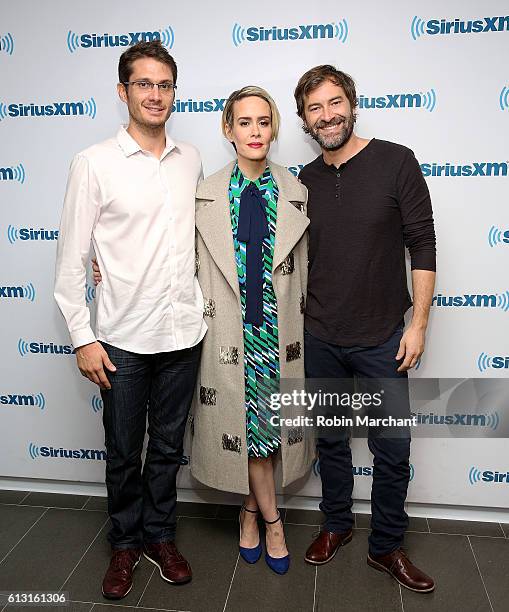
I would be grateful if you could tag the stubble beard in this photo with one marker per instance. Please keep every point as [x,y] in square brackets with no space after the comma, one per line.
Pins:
[335,142]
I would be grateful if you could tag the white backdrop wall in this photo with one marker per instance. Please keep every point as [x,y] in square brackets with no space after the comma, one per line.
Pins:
[441,89]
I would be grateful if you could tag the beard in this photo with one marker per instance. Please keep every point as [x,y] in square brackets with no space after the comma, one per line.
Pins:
[332,142]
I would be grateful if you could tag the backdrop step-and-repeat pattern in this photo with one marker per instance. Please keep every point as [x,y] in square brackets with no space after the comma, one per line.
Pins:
[430,75]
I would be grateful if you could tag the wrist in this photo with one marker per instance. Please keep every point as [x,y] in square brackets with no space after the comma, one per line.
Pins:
[418,325]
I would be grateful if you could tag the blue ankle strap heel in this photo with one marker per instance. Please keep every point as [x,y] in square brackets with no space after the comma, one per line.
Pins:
[250,555]
[280,565]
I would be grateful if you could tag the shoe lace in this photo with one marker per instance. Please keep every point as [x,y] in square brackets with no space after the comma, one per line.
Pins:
[122,561]
[169,552]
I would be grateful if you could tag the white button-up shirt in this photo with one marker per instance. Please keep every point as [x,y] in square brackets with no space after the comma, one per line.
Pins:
[138,211]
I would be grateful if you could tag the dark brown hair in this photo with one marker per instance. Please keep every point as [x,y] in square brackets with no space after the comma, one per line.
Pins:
[315,77]
[153,49]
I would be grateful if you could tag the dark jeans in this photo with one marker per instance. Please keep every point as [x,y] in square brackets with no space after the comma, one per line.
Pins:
[142,505]
[391,469]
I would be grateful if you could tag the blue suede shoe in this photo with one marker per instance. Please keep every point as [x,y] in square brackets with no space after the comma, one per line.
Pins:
[250,555]
[280,565]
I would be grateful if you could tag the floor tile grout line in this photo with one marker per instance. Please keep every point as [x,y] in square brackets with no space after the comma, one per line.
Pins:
[83,555]
[115,605]
[480,574]
[53,507]
[85,503]
[22,500]
[26,532]
[231,583]
[314,589]
[401,598]
[503,530]
[468,535]
[146,586]
[427,523]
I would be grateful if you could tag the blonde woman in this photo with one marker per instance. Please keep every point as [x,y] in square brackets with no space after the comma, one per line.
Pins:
[251,256]
[252,268]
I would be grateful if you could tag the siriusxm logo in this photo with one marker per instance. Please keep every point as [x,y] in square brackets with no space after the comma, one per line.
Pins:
[337,30]
[25,234]
[13,399]
[89,293]
[97,41]
[492,476]
[43,348]
[91,454]
[86,108]
[473,169]
[7,43]
[473,300]
[504,98]
[492,421]
[366,470]
[213,105]
[485,362]
[13,173]
[497,236]
[295,169]
[419,27]
[96,403]
[426,101]
[20,292]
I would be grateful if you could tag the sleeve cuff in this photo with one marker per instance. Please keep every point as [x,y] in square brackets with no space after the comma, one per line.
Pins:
[82,337]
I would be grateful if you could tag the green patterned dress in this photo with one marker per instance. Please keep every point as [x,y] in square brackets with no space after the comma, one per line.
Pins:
[261,344]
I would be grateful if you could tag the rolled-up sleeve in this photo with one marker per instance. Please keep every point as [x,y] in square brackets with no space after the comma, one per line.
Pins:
[416,214]
[81,207]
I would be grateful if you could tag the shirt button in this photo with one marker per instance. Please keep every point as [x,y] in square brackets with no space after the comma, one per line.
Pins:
[338,174]
[337,195]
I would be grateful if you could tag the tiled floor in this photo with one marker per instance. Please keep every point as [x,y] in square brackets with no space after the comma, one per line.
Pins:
[57,543]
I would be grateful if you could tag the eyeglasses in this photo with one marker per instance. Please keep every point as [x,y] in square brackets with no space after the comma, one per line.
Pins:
[145,86]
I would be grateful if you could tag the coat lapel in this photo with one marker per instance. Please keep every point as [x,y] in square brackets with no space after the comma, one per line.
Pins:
[291,222]
[213,223]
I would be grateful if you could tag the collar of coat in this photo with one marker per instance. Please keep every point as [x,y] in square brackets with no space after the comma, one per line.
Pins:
[213,221]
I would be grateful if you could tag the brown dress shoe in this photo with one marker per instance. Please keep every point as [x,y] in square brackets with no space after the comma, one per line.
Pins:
[325,546]
[118,580]
[399,566]
[172,565]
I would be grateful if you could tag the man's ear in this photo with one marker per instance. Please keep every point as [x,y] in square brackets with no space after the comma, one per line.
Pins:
[122,93]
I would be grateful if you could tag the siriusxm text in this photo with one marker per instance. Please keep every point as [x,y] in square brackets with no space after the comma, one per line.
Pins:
[82,453]
[466,300]
[466,420]
[461,26]
[473,169]
[301,32]
[56,109]
[18,400]
[117,40]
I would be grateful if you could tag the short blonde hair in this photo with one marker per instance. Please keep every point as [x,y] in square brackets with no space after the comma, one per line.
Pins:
[245,92]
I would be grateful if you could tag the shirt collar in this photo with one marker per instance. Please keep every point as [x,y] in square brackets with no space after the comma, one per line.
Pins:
[129,146]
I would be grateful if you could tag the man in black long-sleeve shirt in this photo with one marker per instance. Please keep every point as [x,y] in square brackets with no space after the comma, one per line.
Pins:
[367,201]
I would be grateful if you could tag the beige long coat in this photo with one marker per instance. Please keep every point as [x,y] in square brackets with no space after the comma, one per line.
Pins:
[219,451]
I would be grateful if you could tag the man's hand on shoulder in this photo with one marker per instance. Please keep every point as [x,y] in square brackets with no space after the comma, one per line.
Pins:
[92,359]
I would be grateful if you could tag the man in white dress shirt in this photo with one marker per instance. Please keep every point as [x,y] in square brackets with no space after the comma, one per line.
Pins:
[132,197]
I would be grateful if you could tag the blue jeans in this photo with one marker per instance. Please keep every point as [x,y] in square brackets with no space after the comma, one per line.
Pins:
[142,503]
[391,468]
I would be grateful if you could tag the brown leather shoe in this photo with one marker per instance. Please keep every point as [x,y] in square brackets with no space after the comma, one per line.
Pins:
[325,546]
[172,565]
[118,580]
[399,566]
